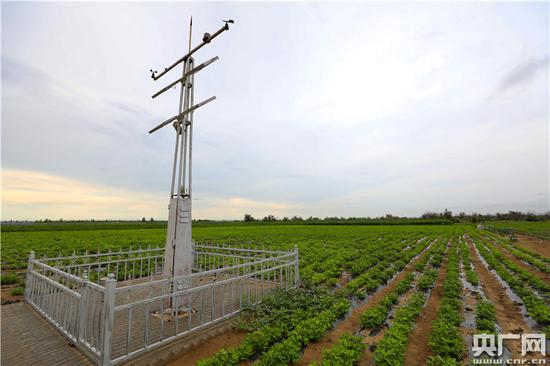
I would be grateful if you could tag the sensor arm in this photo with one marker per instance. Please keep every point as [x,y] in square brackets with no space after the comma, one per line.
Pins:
[182,114]
[188,73]
[206,39]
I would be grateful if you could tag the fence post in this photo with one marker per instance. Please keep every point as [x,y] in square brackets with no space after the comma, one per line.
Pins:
[83,306]
[28,278]
[296,266]
[108,319]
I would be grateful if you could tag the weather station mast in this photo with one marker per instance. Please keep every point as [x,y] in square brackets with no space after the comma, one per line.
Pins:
[178,255]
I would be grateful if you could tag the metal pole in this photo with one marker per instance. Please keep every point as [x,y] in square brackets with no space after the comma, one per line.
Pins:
[192,97]
[188,89]
[28,279]
[190,32]
[108,319]
[296,266]
[178,129]
[185,85]
[190,72]
[82,318]
[183,97]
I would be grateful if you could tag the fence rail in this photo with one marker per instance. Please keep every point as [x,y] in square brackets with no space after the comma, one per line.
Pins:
[115,306]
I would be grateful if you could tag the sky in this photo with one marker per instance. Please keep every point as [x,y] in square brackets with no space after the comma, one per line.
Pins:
[322,109]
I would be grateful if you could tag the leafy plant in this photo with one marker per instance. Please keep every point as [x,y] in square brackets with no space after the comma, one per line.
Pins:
[17,291]
[427,281]
[374,317]
[391,348]
[445,339]
[485,316]
[9,279]
[346,352]
[288,351]
[441,361]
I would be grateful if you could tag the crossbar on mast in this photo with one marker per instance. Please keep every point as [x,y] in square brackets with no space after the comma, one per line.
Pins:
[179,116]
[207,39]
[189,73]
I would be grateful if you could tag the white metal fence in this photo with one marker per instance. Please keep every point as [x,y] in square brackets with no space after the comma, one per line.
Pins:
[116,306]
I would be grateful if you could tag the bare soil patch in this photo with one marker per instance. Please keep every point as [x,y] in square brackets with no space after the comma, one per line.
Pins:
[209,347]
[507,312]
[418,350]
[537,245]
[5,290]
[7,297]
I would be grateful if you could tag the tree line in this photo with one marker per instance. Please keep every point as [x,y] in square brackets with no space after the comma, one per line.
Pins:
[444,216]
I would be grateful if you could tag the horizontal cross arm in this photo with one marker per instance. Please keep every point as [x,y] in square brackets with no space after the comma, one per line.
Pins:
[204,42]
[182,114]
[186,75]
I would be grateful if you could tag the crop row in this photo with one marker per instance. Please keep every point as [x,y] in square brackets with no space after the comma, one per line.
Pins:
[275,318]
[349,349]
[485,317]
[324,264]
[484,310]
[393,260]
[289,350]
[377,315]
[284,342]
[471,275]
[346,352]
[374,317]
[531,253]
[445,340]
[527,277]
[535,306]
[391,348]
[369,256]
[525,255]
[264,341]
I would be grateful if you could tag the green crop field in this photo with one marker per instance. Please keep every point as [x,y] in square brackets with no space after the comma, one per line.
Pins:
[539,229]
[383,275]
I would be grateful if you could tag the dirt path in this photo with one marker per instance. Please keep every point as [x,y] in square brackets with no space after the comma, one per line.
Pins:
[418,350]
[467,328]
[536,245]
[470,296]
[507,312]
[533,270]
[351,324]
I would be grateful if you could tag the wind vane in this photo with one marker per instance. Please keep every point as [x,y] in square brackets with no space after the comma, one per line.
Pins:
[179,246]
